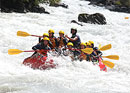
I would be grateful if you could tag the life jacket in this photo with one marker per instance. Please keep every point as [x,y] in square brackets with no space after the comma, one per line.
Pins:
[61,42]
[44,52]
[77,42]
[53,41]
[83,55]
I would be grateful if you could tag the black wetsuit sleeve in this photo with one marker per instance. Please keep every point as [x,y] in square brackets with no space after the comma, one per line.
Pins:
[93,54]
[36,47]
[99,53]
[39,39]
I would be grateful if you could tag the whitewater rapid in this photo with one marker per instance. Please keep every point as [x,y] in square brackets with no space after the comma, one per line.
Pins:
[68,77]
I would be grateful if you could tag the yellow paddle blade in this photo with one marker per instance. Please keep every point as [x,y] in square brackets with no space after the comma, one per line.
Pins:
[106,47]
[108,63]
[23,34]
[126,17]
[114,57]
[99,46]
[87,50]
[14,51]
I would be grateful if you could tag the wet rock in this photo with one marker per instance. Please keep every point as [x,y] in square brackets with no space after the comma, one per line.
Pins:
[21,6]
[121,9]
[113,5]
[38,9]
[96,18]
[99,2]
[59,5]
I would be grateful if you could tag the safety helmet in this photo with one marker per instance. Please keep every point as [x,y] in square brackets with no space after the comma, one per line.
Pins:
[51,31]
[61,32]
[74,30]
[82,44]
[46,38]
[70,44]
[91,42]
[88,44]
[45,34]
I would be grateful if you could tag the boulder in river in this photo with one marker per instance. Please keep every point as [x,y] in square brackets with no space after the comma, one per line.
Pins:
[96,18]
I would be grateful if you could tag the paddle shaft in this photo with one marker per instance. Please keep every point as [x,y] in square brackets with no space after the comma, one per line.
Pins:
[29,51]
[35,36]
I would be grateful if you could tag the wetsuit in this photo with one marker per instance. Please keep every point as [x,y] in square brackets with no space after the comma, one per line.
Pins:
[44,48]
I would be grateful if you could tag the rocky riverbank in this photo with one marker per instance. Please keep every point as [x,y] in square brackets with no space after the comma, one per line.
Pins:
[113,5]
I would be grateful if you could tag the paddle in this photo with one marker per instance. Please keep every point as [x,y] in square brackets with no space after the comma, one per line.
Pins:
[90,50]
[126,17]
[25,34]
[87,50]
[108,63]
[114,57]
[99,46]
[17,51]
[106,47]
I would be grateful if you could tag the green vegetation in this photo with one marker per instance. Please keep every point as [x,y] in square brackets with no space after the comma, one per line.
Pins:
[123,3]
[118,3]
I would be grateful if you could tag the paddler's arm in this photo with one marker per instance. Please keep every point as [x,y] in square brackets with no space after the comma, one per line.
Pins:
[71,39]
[99,53]
[36,47]
[39,39]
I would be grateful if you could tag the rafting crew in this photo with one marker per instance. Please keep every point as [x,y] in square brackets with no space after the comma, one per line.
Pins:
[67,46]
[71,46]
